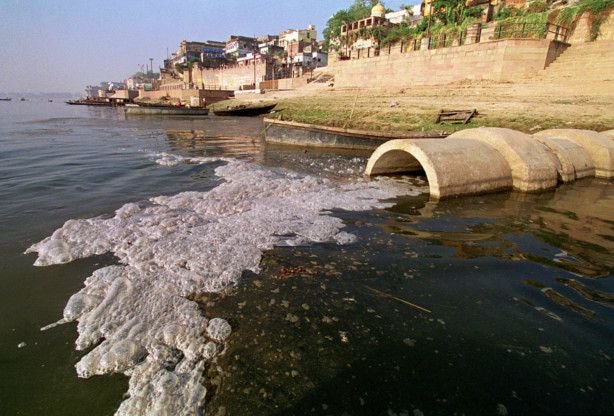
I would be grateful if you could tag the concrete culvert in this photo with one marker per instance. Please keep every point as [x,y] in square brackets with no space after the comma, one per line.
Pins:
[534,167]
[575,162]
[452,168]
[598,146]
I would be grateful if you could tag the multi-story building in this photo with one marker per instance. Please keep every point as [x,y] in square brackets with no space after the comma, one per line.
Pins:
[213,54]
[291,36]
[239,46]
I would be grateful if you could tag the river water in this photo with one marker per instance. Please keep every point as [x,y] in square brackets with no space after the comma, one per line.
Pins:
[338,303]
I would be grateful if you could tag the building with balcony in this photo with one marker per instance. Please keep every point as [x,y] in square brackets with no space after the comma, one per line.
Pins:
[239,46]
[377,19]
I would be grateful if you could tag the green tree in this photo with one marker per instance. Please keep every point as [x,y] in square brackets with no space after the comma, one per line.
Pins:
[449,12]
[358,10]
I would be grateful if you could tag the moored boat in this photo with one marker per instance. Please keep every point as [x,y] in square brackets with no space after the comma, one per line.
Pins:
[150,110]
[98,103]
[6,99]
[244,110]
[300,134]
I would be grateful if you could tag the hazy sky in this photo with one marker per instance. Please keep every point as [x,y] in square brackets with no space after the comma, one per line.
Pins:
[64,45]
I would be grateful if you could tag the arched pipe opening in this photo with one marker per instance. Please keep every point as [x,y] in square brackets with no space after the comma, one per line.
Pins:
[452,168]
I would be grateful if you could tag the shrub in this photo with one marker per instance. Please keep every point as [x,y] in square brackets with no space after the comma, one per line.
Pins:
[537,6]
[569,16]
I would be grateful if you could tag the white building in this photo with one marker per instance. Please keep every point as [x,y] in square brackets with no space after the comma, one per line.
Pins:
[403,15]
[311,59]
[290,36]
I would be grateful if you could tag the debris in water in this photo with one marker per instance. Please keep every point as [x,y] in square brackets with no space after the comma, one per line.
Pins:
[409,342]
[386,295]
[502,410]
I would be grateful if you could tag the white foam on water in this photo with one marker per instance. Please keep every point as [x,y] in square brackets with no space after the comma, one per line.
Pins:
[136,316]
[169,159]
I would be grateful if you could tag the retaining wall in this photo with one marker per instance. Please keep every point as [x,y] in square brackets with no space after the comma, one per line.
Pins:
[497,60]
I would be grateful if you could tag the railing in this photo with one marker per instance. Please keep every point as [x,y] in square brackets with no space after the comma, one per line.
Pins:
[531,31]
[445,40]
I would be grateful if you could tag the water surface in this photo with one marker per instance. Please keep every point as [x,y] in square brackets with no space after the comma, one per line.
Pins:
[518,287]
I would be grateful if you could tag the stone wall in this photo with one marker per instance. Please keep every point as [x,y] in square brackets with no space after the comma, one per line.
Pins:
[284,83]
[234,77]
[582,30]
[497,60]
[606,31]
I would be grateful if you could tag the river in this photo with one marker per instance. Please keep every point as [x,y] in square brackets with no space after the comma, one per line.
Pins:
[345,296]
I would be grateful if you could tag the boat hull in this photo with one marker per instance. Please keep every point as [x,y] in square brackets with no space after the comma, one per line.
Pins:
[299,134]
[245,112]
[94,103]
[166,111]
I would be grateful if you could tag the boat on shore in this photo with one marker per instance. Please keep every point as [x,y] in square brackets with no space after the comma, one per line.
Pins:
[164,110]
[312,135]
[6,99]
[97,103]
[244,110]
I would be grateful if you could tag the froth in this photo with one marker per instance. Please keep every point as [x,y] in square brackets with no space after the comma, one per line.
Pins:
[137,314]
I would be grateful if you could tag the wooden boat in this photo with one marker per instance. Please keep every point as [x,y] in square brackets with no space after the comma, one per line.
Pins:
[153,110]
[5,99]
[300,134]
[92,102]
[244,110]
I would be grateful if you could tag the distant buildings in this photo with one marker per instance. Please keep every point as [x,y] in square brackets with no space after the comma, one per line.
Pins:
[242,62]
[239,46]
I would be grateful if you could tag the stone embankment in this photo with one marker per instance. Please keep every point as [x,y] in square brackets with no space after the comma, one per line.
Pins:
[489,159]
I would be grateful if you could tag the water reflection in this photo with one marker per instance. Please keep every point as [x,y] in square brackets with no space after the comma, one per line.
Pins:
[214,143]
[571,228]
[510,284]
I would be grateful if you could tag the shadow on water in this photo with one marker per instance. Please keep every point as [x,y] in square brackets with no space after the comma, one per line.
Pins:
[519,321]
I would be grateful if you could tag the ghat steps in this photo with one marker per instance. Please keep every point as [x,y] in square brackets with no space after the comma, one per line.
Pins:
[592,61]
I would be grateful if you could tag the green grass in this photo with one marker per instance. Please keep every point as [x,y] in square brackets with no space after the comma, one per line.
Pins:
[374,113]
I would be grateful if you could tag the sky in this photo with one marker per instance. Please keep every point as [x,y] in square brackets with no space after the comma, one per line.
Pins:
[64,45]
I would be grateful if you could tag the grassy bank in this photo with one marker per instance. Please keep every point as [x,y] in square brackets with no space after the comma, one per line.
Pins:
[396,111]
[499,105]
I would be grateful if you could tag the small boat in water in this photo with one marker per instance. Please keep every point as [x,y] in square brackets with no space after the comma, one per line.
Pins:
[22,99]
[164,110]
[5,99]
[98,103]
[244,110]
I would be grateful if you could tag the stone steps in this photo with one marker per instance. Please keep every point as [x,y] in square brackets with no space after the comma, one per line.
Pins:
[585,62]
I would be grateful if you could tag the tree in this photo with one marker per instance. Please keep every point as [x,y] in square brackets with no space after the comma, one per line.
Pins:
[358,10]
[453,12]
